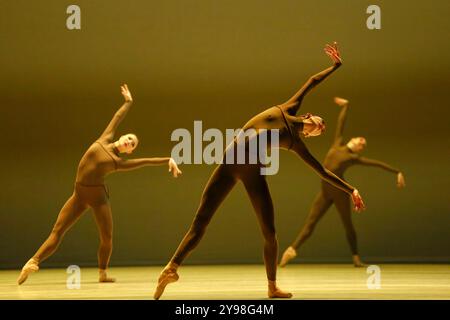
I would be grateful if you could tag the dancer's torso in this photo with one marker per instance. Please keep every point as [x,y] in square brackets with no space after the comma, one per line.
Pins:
[337,160]
[270,119]
[96,163]
[274,119]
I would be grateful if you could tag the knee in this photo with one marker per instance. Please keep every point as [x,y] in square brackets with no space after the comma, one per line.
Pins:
[201,220]
[57,232]
[308,229]
[209,196]
[270,235]
[106,240]
[198,226]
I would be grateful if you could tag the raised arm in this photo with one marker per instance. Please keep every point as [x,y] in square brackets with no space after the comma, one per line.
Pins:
[293,104]
[383,165]
[132,164]
[341,120]
[303,152]
[110,130]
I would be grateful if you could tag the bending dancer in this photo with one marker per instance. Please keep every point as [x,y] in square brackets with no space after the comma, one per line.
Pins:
[100,159]
[291,128]
[339,158]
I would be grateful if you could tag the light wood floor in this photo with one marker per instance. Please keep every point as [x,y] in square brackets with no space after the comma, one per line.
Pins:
[305,281]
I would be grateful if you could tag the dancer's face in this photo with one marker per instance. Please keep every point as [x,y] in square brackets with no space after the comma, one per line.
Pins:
[357,144]
[127,143]
[312,125]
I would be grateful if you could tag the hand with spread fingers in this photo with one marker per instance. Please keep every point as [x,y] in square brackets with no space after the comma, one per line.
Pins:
[358,201]
[333,52]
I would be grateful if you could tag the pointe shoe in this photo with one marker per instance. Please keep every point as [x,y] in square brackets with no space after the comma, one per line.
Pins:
[29,267]
[288,255]
[278,293]
[167,276]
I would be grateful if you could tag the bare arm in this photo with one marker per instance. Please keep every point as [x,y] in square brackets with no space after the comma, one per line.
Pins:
[303,152]
[341,120]
[110,130]
[132,164]
[293,104]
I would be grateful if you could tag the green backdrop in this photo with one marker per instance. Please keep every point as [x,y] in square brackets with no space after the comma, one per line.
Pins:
[222,62]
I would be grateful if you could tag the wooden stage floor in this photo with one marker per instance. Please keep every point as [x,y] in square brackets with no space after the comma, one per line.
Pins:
[305,281]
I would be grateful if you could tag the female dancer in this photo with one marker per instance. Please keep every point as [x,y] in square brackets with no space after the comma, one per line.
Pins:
[339,158]
[226,175]
[100,159]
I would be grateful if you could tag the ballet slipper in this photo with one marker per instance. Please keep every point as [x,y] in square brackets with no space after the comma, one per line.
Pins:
[168,275]
[103,276]
[29,267]
[288,255]
[275,292]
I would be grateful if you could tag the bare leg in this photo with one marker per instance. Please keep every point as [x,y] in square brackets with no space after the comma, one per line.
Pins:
[218,187]
[69,214]
[342,203]
[258,191]
[318,209]
[103,218]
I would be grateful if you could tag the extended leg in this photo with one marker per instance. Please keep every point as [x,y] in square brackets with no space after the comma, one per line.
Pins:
[259,194]
[103,218]
[218,187]
[320,205]
[69,214]
[342,203]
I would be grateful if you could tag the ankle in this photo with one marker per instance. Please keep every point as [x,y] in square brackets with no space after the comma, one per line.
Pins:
[31,262]
[272,284]
[172,266]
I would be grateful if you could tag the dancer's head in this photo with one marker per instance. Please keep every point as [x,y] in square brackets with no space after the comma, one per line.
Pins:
[357,144]
[127,143]
[312,125]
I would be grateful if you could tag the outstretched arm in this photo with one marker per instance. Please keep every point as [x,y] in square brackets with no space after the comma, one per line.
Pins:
[385,166]
[341,120]
[293,104]
[376,163]
[110,130]
[303,152]
[132,164]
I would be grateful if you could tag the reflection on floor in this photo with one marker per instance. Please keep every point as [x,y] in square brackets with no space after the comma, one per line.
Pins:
[305,281]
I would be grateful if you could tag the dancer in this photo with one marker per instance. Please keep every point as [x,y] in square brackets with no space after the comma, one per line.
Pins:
[100,159]
[340,157]
[226,175]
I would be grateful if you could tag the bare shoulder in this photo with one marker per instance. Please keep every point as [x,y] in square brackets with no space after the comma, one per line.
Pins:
[290,107]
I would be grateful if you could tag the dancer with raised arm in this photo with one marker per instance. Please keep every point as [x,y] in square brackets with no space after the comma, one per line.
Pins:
[100,159]
[290,128]
[340,157]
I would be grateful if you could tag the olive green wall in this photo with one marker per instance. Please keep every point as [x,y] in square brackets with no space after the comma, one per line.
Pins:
[222,62]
